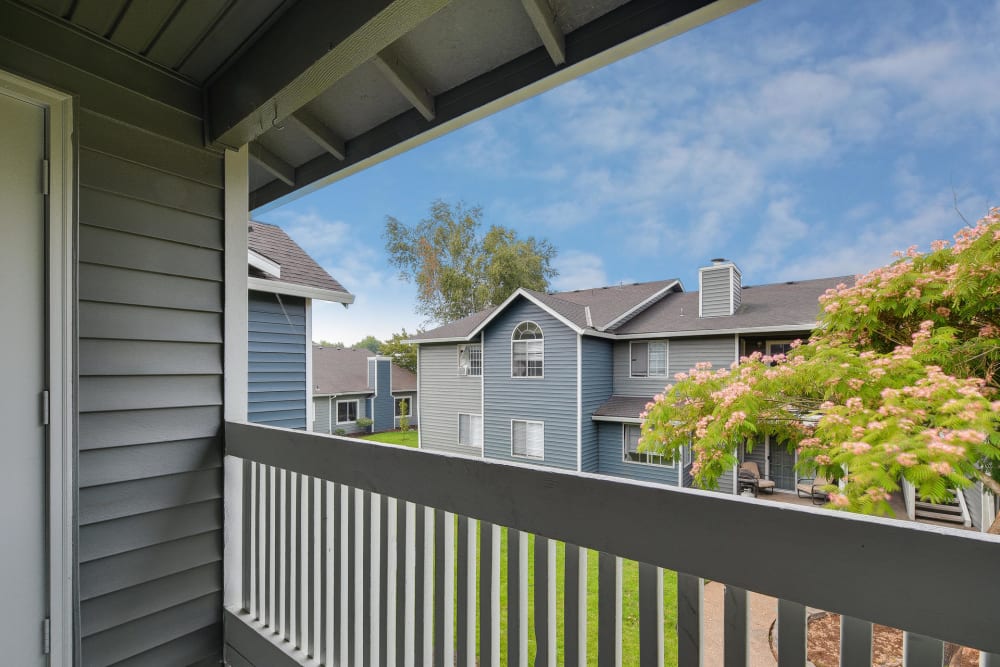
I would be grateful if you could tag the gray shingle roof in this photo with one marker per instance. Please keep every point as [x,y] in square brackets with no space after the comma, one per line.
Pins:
[339,370]
[297,267]
[777,304]
[608,303]
[457,329]
[627,407]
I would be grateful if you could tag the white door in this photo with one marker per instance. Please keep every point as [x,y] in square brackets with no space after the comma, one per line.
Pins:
[23,554]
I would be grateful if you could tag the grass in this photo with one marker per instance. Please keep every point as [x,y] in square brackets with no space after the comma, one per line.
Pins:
[404,438]
[630,608]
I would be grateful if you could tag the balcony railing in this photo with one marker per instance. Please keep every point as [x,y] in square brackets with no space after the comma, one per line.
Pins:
[355,553]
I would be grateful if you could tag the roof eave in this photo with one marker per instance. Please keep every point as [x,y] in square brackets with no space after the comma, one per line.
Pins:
[305,291]
[659,294]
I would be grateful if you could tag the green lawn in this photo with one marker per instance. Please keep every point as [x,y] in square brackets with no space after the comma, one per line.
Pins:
[404,438]
[630,608]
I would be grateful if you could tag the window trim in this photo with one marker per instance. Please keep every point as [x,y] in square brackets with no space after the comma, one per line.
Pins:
[458,433]
[647,343]
[625,459]
[395,402]
[460,349]
[514,341]
[357,410]
[776,341]
[527,456]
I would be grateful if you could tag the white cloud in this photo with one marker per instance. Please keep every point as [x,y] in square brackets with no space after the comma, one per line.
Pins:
[579,270]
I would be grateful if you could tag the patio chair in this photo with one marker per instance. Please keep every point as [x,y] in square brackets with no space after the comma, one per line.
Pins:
[812,487]
[753,471]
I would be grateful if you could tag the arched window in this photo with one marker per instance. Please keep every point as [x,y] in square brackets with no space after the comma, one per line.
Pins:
[527,351]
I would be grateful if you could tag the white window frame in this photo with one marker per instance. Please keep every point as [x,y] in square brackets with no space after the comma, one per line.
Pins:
[467,372]
[648,343]
[474,431]
[395,403]
[357,411]
[514,341]
[776,341]
[625,457]
[527,456]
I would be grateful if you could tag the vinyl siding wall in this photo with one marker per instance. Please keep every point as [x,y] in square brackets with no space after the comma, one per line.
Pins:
[443,395]
[612,459]
[597,384]
[550,399]
[625,384]
[321,407]
[684,353]
[716,290]
[974,499]
[383,413]
[277,368]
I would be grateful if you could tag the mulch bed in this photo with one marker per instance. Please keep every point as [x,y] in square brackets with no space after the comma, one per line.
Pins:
[887,645]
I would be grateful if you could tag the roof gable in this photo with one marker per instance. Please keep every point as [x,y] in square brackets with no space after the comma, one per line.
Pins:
[296,269]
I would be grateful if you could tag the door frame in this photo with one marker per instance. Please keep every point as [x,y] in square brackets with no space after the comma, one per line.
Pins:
[60,314]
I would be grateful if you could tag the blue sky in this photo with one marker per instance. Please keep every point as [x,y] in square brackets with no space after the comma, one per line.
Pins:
[800,139]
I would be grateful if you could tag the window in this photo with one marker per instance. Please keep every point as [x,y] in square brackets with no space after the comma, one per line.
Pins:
[470,359]
[648,359]
[630,448]
[527,351]
[778,347]
[399,406]
[347,412]
[470,430]
[527,439]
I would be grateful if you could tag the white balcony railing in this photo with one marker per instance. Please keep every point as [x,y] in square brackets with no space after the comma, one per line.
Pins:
[355,553]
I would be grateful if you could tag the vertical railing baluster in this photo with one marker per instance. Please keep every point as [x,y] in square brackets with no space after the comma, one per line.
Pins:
[791,634]
[325,631]
[489,594]
[428,585]
[466,593]
[352,582]
[575,606]
[246,585]
[343,578]
[690,620]
[367,635]
[609,610]
[517,611]
[269,546]
[545,602]
[312,562]
[384,601]
[418,586]
[922,651]
[650,615]
[736,626]
[259,535]
[444,588]
[404,598]
[287,494]
[855,641]
[298,550]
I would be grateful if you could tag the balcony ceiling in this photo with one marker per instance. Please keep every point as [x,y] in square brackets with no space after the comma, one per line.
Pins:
[322,89]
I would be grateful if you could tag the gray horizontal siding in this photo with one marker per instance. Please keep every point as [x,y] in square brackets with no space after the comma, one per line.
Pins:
[382,407]
[321,408]
[684,353]
[443,395]
[596,375]
[150,297]
[349,428]
[715,292]
[625,384]
[612,459]
[974,500]
[277,343]
[550,399]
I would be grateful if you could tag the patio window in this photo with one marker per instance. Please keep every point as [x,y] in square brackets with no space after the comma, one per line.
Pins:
[630,446]
[470,430]
[527,351]
[347,412]
[648,359]
[527,439]
[470,359]
[778,347]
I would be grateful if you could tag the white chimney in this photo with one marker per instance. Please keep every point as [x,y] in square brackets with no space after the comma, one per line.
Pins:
[719,288]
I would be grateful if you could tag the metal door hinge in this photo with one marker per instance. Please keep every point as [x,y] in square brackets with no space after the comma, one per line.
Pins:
[45,408]
[46,636]
[45,177]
